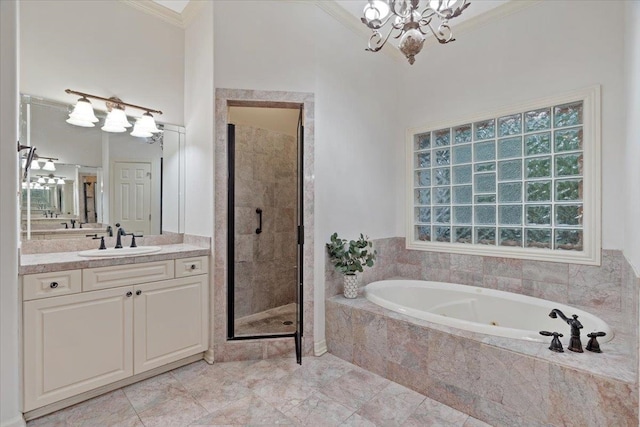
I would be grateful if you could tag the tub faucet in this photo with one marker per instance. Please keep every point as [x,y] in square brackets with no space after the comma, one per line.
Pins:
[119,234]
[574,343]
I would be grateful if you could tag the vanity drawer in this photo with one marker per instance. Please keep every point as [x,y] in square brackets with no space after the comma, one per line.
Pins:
[192,266]
[43,285]
[124,275]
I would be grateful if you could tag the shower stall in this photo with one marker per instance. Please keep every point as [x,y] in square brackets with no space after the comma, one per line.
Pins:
[265,222]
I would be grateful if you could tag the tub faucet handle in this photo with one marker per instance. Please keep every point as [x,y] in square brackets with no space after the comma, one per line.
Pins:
[593,344]
[556,345]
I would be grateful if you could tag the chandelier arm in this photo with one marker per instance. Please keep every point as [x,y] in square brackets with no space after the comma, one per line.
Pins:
[378,41]
[394,4]
[451,13]
[87,95]
[445,36]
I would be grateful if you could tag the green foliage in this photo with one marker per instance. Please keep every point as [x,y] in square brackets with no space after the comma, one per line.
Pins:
[349,257]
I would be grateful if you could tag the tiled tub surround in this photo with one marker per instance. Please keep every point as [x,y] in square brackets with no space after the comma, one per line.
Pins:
[501,381]
[265,178]
[225,350]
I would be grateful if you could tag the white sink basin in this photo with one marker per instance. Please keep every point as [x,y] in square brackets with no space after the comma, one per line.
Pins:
[140,250]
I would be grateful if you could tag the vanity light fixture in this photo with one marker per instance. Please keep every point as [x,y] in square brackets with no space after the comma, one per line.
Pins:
[51,181]
[34,165]
[409,24]
[116,120]
[82,114]
[49,166]
[145,126]
[61,181]
[41,180]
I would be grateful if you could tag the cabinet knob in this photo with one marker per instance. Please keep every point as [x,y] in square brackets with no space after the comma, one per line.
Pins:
[53,285]
[138,292]
[129,293]
[193,266]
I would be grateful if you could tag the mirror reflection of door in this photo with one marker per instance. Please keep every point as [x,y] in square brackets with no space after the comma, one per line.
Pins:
[132,196]
[87,199]
[265,220]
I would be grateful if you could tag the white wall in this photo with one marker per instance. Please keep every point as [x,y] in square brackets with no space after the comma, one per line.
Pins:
[199,121]
[632,151]
[10,399]
[104,48]
[545,49]
[296,46]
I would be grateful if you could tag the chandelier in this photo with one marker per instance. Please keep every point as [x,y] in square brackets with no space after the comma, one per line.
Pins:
[409,24]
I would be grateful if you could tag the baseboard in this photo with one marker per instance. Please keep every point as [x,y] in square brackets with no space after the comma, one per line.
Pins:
[320,348]
[14,422]
[208,356]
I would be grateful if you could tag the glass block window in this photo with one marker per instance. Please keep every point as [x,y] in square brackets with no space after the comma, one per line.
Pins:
[513,181]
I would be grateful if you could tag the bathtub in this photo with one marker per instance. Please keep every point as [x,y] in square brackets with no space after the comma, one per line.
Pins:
[486,311]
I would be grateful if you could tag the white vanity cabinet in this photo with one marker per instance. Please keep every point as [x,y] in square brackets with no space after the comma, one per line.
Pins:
[120,322]
[75,343]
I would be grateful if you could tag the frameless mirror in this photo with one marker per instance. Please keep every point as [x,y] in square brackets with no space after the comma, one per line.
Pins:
[97,178]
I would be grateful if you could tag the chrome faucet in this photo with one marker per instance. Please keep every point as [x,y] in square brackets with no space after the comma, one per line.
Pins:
[119,235]
[574,343]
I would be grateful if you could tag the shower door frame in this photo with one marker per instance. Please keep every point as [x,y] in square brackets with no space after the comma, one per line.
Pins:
[220,348]
[297,335]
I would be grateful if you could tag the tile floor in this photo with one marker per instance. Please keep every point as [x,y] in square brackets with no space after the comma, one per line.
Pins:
[324,391]
[268,322]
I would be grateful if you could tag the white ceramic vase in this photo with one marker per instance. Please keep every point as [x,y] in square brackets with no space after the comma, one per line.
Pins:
[350,286]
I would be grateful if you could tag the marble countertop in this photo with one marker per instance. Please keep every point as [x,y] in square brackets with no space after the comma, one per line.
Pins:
[59,261]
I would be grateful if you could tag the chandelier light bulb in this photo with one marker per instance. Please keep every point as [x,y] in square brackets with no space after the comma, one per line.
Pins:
[375,11]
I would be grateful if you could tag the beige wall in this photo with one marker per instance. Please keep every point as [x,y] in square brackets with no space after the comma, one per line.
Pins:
[265,178]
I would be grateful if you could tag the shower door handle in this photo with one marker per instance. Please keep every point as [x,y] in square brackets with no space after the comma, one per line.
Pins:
[259,229]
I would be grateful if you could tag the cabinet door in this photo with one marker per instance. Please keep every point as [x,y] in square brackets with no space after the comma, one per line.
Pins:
[170,321]
[76,343]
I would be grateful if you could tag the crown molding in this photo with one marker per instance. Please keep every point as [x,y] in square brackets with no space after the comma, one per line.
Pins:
[155,9]
[191,11]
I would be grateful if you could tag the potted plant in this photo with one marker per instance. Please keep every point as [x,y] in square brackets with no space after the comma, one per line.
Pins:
[349,258]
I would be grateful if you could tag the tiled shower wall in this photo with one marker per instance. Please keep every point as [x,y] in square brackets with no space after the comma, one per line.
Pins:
[265,178]
[612,287]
